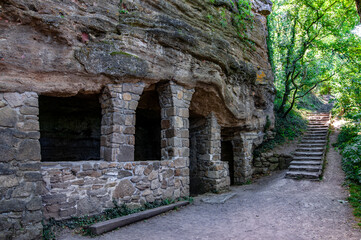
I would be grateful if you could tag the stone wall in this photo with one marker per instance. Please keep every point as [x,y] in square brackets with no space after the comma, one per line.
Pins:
[207,172]
[80,188]
[270,161]
[20,177]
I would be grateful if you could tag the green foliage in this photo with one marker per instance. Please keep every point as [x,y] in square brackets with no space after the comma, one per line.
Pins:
[349,142]
[241,20]
[355,199]
[312,48]
[310,102]
[82,223]
[286,129]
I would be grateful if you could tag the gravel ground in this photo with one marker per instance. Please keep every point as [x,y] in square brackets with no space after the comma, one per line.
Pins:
[271,208]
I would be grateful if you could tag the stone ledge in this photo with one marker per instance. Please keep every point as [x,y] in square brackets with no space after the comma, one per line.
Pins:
[112,224]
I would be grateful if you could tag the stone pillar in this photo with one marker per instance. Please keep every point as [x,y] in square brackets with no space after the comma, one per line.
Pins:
[119,103]
[244,144]
[20,176]
[217,172]
[174,101]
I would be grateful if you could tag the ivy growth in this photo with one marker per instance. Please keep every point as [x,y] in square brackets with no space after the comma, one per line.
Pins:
[241,15]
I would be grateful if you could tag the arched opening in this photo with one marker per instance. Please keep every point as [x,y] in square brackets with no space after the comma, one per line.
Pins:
[148,127]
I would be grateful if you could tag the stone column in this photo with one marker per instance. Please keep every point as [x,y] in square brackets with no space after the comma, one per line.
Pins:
[244,144]
[216,177]
[20,176]
[174,101]
[119,103]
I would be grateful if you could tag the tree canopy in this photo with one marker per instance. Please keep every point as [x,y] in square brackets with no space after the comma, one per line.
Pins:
[312,47]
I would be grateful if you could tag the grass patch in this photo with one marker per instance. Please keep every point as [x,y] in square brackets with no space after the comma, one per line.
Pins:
[81,224]
[355,200]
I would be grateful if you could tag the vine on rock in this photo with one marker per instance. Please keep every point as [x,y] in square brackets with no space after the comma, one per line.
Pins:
[241,15]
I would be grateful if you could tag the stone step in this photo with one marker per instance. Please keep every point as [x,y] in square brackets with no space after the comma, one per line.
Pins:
[300,162]
[318,118]
[308,158]
[305,141]
[307,154]
[323,128]
[314,145]
[314,138]
[307,168]
[313,130]
[316,132]
[303,175]
[318,123]
[309,149]
[319,114]
[315,135]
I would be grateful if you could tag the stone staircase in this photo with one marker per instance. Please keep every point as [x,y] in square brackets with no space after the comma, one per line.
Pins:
[308,159]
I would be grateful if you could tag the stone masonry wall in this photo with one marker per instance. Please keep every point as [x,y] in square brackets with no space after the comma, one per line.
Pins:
[270,161]
[20,177]
[74,189]
[79,188]
[119,102]
[208,172]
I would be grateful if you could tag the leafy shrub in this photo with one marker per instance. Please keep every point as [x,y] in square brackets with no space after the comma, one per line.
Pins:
[347,135]
[351,162]
[286,129]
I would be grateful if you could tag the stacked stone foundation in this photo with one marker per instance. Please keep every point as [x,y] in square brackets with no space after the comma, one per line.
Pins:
[80,188]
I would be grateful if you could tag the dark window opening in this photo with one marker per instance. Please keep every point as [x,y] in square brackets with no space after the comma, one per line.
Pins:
[227,156]
[70,128]
[148,128]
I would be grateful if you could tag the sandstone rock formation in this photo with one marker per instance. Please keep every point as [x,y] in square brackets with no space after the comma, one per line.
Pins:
[184,59]
[64,48]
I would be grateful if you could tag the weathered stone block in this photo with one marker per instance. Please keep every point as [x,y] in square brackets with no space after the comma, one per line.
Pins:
[124,174]
[8,117]
[126,153]
[29,166]
[33,176]
[8,181]
[29,150]
[14,99]
[34,204]
[13,205]
[124,188]
[27,110]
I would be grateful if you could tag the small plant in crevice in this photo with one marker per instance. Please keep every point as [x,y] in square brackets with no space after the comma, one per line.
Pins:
[241,19]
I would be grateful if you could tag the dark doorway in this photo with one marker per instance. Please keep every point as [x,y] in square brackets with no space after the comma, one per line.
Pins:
[227,156]
[70,128]
[197,141]
[148,128]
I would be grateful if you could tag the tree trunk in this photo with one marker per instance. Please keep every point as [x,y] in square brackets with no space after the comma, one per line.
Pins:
[358,5]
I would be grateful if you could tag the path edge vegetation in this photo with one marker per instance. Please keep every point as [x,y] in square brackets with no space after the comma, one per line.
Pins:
[349,145]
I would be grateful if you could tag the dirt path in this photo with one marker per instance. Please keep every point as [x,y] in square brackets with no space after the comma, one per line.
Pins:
[271,208]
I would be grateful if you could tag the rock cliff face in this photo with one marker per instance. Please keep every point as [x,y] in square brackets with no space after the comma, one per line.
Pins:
[62,48]
[183,83]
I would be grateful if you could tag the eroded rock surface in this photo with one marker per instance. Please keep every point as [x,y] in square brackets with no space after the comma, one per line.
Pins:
[62,48]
